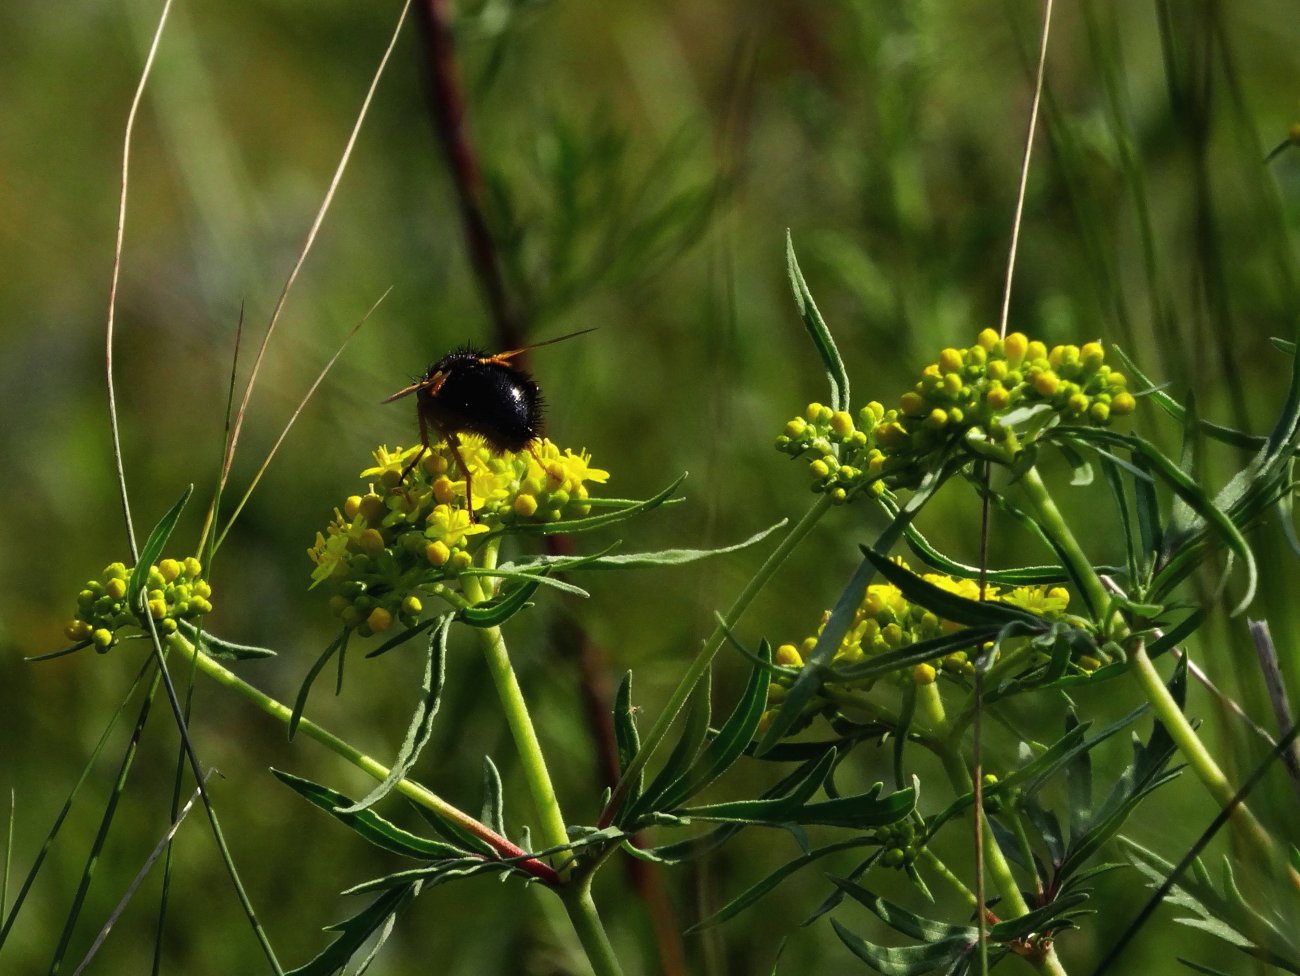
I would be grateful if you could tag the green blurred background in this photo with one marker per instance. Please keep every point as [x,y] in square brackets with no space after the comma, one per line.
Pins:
[643,163]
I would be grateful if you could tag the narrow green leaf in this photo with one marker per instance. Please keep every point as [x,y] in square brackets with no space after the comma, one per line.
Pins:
[1151,391]
[397,640]
[51,655]
[914,960]
[912,654]
[300,700]
[816,326]
[420,727]
[860,811]
[946,604]
[153,548]
[626,735]
[680,759]
[496,612]
[730,742]
[1186,488]
[1045,918]
[530,577]
[753,893]
[367,824]
[900,919]
[574,526]
[642,560]
[356,931]
[222,650]
[493,813]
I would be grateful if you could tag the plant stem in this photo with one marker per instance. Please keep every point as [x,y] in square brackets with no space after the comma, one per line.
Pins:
[1054,526]
[408,788]
[702,660]
[945,872]
[1195,752]
[591,931]
[1013,902]
[552,831]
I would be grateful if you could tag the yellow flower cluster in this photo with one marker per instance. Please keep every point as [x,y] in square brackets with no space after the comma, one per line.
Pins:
[963,396]
[886,621]
[175,591]
[412,529]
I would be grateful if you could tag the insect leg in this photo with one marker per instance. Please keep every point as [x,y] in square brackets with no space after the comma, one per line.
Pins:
[453,442]
[424,446]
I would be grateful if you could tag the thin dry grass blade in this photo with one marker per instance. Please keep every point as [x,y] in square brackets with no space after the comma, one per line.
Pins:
[117,268]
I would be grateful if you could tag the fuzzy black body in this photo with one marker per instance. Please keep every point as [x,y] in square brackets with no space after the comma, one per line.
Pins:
[480,395]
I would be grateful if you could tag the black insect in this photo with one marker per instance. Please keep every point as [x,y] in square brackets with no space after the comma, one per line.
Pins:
[469,391]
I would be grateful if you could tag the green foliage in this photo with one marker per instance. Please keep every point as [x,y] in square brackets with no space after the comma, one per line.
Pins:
[634,188]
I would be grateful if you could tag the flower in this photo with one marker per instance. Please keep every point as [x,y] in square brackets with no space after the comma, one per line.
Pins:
[967,400]
[885,620]
[413,531]
[174,590]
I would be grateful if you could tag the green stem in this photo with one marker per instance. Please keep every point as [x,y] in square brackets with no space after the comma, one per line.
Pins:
[1194,751]
[930,704]
[945,872]
[1054,526]
[282,713]
[552,831]
[700,665]
[1013,903]
[586,921]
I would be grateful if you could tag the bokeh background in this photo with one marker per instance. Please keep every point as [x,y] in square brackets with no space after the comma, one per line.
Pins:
[643,163]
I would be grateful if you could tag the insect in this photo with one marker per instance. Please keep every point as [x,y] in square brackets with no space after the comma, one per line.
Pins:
[469,391]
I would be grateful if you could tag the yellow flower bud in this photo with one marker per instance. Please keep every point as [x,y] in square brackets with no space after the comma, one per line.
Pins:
[987,339]
[1122,403]
[1046,382]
[379,620]
[115,588]
[950,360]
[1016,346]
[911,404]
[924,674]
[787,655]
[437,553]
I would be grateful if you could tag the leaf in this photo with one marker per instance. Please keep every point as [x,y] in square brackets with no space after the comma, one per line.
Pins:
[862,810]
[913,960]
[1196,498]
[493,813]
[729,742]
[573,526]
[832,633]
[756,891]
[816,326]
[420,728]
[1156,394]
[397,640]
[300,700]
[945,603]
[640,560]
[680,759]
[357,930]
[152,550]
[498,611]
[626,736]
[222,650]
[901,920]
[367,824]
